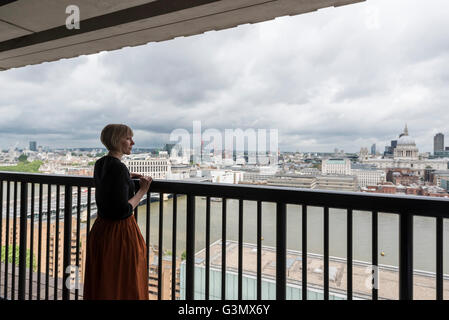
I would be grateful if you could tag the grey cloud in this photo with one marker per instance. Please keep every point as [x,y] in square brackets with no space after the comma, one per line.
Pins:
[344,77]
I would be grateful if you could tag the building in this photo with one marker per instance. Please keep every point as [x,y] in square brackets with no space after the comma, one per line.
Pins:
[343,183]
[309,171]
[403,176]
[223,176]
[56,255]
[328,182]
[406,147]
[336,166]
[438,143]
[80,171]
[445,184]
[388,276]
[441,154]
[365,174]
[390,188]
[33,146]
[368,175]
[373,149]
[389,150]
[406,155]
[153,273]
[386,187]
[304,182]
[437,176]
[155,167]
[293,290]
[55,247]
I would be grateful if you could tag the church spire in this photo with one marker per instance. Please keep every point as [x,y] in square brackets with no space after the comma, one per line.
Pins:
[406,130]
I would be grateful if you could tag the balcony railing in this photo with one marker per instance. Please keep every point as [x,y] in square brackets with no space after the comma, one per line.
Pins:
[25,188]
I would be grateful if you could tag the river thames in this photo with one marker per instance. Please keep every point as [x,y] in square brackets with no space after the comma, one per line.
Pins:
[388,227]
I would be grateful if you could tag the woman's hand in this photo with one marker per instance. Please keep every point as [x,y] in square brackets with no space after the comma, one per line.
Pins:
[135,176]
[145,183]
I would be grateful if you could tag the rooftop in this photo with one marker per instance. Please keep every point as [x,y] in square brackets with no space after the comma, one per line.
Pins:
[424,282]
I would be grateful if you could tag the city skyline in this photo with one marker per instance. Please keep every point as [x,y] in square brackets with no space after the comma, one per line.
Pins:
[343,78]
[32,146]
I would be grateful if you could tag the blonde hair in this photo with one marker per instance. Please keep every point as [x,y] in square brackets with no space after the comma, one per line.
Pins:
[112,133]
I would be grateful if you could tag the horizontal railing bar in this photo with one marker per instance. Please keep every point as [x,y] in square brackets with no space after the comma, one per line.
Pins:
[416,205]
[54,179]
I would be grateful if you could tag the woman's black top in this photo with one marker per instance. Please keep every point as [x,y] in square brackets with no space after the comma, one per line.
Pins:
[113,188]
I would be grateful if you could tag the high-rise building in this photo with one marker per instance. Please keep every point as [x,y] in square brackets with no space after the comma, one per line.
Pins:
[373,149]
[394,143]
[438,143]
[33,146]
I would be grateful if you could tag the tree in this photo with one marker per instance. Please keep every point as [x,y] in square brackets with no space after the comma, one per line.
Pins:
[10,257]
[23,158]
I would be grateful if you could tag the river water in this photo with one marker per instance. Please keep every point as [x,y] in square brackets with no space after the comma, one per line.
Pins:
[388,228]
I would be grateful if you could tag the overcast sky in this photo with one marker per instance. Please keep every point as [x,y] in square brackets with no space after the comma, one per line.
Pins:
[342,78]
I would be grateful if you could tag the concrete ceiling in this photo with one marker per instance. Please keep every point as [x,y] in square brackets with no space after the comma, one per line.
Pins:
[34,31]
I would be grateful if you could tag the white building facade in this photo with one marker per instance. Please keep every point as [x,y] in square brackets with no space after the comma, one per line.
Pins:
[336,166]
[155,167]
[369,177]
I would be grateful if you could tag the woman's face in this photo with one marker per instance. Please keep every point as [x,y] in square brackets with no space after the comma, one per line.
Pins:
[126,144]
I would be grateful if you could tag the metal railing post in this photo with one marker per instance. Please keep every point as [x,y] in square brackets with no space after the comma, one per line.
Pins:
[405,256]
[190,247]
[67,241]
[281,251]
[23,239]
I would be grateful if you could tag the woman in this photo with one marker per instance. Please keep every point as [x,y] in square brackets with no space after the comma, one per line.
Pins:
[116,260]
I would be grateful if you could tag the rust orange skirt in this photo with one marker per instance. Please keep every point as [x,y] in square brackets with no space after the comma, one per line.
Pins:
[116,261]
